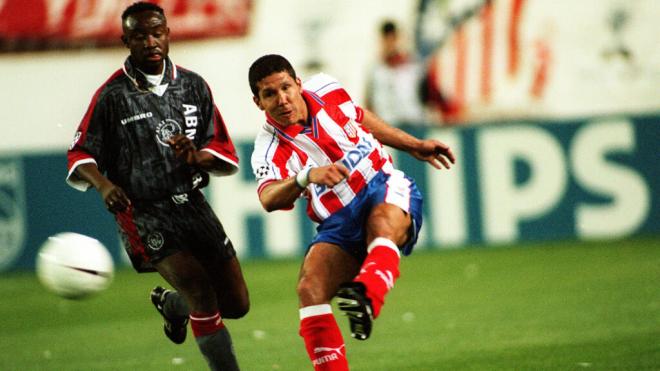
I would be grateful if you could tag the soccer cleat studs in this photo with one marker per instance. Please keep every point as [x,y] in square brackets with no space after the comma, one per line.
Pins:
[353,302]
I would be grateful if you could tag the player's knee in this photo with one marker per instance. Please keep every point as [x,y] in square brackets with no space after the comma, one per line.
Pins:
[310,292]
[389,223]
[199,295]
[239,309]
[303,288]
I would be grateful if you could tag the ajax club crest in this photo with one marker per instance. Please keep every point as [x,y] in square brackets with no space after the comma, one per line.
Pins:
[167,129]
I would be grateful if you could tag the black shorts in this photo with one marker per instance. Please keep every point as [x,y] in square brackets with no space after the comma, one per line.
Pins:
[152,230]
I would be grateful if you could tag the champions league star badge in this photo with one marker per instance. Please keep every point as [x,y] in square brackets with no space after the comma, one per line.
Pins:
[262,171]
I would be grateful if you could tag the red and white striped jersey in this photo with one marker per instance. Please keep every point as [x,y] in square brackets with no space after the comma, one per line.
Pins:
[334,135]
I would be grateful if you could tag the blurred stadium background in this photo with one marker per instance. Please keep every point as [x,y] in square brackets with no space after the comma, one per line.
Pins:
[541,248]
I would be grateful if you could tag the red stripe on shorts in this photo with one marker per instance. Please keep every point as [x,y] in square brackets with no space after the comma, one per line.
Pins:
[127,225]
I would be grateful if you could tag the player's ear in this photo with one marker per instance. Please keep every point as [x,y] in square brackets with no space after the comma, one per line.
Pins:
[257,101]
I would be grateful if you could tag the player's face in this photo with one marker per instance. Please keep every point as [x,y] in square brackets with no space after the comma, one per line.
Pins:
[280,95]
[147,36]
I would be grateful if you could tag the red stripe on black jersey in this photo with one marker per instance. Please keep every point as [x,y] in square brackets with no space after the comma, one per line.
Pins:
[75,154]
[221,142]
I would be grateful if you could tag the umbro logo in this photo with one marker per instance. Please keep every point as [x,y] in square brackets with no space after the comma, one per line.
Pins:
[139,116]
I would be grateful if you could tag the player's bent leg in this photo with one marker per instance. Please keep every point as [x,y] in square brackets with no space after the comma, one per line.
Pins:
[187,275]
[230,287]
[325,267]
[389,221]
[362,299]
[184,272]
[379,272]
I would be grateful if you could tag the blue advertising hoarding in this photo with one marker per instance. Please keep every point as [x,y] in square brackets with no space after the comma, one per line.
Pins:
[583,178]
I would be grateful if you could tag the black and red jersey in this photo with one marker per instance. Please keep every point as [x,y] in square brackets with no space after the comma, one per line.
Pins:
[127,125]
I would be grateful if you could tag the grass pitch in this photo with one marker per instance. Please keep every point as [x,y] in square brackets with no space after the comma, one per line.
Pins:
[550,306]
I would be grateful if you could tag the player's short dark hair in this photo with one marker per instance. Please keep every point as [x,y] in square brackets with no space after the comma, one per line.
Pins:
[387,27]
[140,7]
[266,66]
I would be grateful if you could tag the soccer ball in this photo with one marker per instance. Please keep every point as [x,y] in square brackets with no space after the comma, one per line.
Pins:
[74,266]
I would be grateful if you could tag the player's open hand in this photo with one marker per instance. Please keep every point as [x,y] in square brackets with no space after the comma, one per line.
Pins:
[434,152]
[328,175]
[183,148]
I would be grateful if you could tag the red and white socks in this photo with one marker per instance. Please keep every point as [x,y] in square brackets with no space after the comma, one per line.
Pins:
[323,340]
[379,271]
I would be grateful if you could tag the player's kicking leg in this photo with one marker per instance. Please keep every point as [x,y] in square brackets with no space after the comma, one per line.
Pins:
[362,298]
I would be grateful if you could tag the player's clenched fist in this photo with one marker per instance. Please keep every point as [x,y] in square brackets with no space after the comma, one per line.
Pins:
[183,148]
[328,175]
[114,197]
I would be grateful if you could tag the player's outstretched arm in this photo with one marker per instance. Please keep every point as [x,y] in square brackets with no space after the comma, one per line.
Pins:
[433,151]
[114,197]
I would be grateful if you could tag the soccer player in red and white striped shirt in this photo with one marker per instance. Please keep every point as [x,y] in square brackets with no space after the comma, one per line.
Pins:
[318,144]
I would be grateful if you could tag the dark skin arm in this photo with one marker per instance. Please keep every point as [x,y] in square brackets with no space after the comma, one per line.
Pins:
[185,149]
[114,197]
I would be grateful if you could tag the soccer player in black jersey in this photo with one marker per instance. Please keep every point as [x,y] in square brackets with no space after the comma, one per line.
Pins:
[148,142]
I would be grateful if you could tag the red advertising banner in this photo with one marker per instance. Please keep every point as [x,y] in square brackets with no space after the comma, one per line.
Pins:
[49,24]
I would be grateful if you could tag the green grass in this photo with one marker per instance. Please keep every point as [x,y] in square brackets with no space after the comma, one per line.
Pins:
[550,306]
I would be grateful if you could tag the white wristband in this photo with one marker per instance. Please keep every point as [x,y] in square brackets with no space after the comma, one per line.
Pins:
[302,178]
